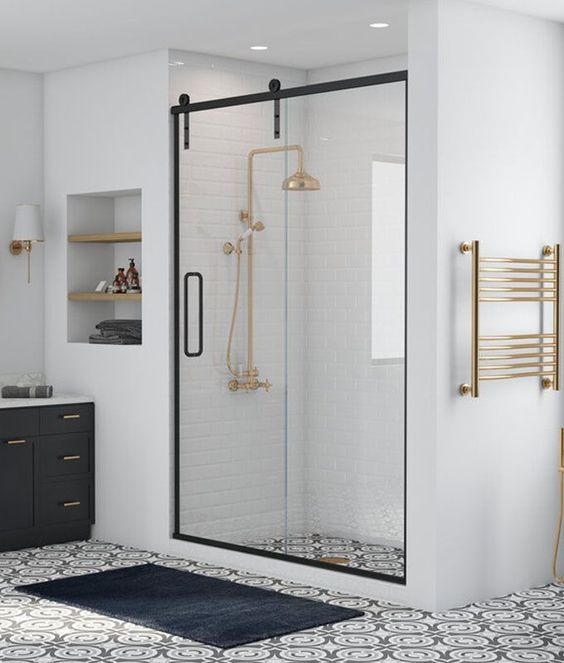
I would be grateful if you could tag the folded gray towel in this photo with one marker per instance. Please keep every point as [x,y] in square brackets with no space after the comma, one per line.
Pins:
[114,339]
[131,328]
[41,391]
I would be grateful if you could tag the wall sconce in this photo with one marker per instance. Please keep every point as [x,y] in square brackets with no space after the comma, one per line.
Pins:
[27,230]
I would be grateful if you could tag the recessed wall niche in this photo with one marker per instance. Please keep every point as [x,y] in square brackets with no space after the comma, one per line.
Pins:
[104,231]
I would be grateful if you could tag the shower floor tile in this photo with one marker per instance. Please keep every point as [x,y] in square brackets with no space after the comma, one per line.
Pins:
[367,556]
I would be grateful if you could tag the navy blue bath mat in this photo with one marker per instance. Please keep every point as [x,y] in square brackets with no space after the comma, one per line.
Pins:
[209,610]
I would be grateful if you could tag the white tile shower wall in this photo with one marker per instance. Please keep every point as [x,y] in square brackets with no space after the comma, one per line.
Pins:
[354,423]
[233,445]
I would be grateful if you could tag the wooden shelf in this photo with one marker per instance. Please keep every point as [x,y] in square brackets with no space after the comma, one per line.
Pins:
[104,297]
[107,238]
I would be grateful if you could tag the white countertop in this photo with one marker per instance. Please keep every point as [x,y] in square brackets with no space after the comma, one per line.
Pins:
[57,399]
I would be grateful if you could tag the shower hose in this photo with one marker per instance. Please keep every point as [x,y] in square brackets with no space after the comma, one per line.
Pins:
[238,251]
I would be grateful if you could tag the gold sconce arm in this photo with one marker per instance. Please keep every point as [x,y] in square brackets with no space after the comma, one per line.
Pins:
[16,248]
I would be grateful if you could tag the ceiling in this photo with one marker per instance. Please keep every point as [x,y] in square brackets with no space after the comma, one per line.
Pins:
[46,35]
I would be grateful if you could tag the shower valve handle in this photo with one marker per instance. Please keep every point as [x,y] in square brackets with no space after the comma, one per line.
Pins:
[256,384]
[250,385]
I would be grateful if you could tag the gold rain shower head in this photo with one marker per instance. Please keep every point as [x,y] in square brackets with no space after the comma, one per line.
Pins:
[301,181]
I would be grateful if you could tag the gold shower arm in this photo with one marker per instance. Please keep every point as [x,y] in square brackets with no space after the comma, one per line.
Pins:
[273,150]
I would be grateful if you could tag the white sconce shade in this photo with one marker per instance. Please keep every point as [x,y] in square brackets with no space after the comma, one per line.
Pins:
[28,226]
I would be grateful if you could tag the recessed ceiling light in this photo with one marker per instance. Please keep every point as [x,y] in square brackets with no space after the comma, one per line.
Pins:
[380,25]
[259,48]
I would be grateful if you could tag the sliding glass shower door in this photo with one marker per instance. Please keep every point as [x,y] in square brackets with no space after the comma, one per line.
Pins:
[290,371]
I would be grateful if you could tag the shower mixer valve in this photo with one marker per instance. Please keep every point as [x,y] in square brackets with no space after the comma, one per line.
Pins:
[251,385]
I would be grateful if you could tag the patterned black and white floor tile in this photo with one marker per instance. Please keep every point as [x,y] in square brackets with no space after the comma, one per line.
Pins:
[368,556]
[526,627]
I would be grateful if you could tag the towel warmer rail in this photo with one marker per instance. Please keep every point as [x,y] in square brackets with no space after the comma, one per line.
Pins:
[500,356]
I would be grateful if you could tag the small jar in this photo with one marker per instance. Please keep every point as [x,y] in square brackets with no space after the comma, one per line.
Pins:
[120,282]
[132,277]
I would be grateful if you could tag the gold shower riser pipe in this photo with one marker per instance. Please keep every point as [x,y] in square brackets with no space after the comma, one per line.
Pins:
[252,372]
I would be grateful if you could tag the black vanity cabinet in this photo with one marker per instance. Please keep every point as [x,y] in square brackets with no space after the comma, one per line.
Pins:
[46,474]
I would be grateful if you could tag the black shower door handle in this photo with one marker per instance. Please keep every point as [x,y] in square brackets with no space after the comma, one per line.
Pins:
[200,349]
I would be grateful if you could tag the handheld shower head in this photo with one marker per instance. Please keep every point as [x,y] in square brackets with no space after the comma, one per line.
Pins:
[257,227]
[243,236]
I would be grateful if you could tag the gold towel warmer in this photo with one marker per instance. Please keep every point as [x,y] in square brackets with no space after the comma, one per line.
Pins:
[514,280]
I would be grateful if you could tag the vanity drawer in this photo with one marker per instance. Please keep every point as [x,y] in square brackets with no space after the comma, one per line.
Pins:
[66,418]
[63,502]
[19,422]
[62,455]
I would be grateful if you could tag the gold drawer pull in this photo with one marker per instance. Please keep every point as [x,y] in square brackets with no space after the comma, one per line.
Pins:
[71,457]
[67,504]
[71,416]
[16,441]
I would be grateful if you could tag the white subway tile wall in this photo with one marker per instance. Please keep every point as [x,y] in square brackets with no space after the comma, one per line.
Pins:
[233,450]
[354,409]
[328,438]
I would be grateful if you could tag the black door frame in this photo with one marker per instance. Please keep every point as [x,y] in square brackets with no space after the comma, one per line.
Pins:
[275,93]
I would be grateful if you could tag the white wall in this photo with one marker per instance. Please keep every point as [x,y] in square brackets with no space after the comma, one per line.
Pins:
[422,200]
[501,168]
[21,181]
[107,128]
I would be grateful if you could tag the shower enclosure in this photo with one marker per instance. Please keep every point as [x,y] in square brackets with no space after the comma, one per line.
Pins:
[290,263]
